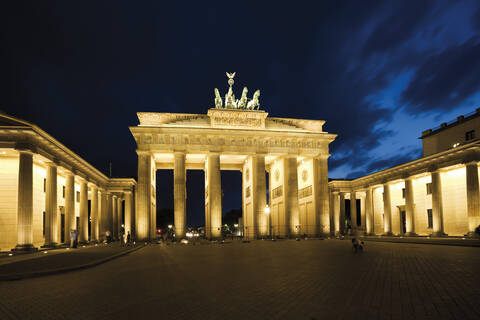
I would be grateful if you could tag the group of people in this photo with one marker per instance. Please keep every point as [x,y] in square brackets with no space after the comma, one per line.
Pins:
[126,239]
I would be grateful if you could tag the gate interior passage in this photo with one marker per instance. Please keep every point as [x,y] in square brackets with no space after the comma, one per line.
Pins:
[293,151]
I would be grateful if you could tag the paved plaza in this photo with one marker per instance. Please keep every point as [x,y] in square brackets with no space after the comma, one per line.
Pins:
[308,279]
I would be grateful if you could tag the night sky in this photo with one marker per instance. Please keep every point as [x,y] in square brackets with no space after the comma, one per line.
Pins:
[378,72]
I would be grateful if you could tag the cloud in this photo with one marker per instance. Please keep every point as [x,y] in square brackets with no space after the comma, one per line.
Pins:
[446,79]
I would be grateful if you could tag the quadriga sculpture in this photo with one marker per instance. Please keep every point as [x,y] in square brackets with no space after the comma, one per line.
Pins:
[255,102]
[218,99]
[242,103]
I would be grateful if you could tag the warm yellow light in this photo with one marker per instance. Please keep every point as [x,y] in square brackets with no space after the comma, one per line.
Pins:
[169,226]
[236,225]
[267,209]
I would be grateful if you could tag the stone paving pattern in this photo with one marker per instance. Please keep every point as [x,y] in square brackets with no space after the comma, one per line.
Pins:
[310,279]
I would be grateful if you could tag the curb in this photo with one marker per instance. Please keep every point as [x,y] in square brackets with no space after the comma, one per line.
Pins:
[466,244]
[19,276]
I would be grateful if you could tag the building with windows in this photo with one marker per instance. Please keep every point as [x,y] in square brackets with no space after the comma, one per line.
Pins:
[46,190]
[436,195]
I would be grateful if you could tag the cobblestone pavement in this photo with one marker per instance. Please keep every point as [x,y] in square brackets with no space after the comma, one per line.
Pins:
[310,279]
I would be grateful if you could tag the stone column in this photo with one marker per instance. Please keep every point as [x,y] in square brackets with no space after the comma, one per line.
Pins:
[25,202]
[320,165]
[109,214]
[342,213]
[103,215]
[369,211]
[179,180]
[83,229]
[473,201]
[353,211]
[291,195]
[387,210]
[51,221]
[70,222]
[119,217]
[128,212]
[143,214]
[437,206]
[94,214]
[214,194]
[259,194]
[115,217]
[409,208]
[336,212]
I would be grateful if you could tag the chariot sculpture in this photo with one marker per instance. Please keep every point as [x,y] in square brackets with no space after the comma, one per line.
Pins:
[229,102]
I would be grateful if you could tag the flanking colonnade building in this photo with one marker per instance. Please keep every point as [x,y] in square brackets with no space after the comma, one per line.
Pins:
[435,195]
[46,190]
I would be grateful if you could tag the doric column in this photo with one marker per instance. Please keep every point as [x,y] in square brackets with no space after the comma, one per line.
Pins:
[353,210]
[51,221]
[369,211]
[320,170]
[128,212]
[387,210]
[115,217]
[25,202]
[437,206]
[109,214]
[179,180]
[103,215]
[214,194]
[342,213]
[144,195]
[291,195]
[83,229]
[409,208]
[119,217]
[70,221]
[259,194]
[94,214]
[336,212]
[473,201]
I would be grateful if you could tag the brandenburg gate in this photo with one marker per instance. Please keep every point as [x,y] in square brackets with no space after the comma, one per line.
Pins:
[237,135]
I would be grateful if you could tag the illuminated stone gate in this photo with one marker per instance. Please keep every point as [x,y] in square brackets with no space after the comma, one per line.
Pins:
[236,135]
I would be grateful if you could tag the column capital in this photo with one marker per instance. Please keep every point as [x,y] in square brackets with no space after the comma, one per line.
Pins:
[472,162]
[25,147]
[335,193]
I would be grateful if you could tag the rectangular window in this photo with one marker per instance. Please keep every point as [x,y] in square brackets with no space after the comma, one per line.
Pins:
[44,185]
[403,193]
[63,192]
[430,218]
[429,188]
[43,230]
[470,135]
[78,196]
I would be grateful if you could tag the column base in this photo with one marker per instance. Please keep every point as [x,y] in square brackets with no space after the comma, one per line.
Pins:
[388,234]
[370,234]
[51,245]
[438,234]
[25,248]
[411,234]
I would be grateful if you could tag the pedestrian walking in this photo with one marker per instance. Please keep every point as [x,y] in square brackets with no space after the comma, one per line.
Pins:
[72,237]
[75,235]
[128,238]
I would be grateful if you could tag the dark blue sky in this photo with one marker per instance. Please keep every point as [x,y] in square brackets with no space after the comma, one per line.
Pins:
[378,72]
